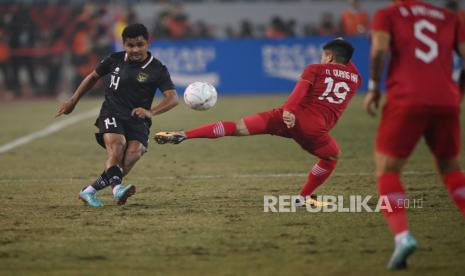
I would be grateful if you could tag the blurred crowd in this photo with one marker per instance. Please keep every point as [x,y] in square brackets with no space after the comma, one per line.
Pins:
[44,45]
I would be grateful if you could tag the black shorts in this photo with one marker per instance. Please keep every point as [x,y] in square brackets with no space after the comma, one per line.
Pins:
[132,129]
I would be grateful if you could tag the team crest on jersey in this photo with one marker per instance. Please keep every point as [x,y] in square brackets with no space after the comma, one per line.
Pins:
[142,77]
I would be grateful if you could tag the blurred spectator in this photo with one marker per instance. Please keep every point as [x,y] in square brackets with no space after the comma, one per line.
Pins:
[277,29]
[160,30]
[174,24]
[309,30]
[22,33]
[4,70]
[54,62]
[83,59]
[354,20]
[200,29]
[454,6]
[246,29]
[327,25]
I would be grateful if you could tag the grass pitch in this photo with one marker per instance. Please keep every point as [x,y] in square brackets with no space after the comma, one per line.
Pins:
[199,205]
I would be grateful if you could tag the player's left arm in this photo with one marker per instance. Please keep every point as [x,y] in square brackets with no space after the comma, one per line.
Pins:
[379,49]
[170,100]
[297,95]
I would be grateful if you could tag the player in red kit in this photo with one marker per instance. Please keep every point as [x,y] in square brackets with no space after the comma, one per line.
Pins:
[311,111]
[422,100]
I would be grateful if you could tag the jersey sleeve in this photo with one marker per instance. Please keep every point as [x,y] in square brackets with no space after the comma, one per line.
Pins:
[381,21]
[301,89]
[105,66]
[164,82]
[309,74]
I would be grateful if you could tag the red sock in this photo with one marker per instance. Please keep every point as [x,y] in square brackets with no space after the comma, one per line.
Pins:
[455,183]
[390,185]
[213,130]
[319,173]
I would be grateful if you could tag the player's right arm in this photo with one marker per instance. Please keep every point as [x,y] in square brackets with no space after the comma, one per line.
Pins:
[380,40]
[89,81]
[86,85]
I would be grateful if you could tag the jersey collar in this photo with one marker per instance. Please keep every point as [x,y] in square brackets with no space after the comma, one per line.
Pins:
[142,64]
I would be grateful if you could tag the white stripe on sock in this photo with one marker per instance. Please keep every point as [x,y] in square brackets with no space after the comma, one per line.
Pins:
[317,170]
[459,193]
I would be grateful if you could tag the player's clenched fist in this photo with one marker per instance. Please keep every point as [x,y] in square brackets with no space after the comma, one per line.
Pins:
[289,119]
[141,113]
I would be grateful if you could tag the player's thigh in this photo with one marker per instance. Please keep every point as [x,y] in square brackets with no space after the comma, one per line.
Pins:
[323,146]
[115,144]
[400,130]
[268,122]
[443,133]
[108,124]
[137,130]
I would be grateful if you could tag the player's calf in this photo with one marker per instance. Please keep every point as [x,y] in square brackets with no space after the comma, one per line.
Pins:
[455,183]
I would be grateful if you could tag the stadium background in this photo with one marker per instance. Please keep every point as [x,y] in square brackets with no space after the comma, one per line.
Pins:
[199,206]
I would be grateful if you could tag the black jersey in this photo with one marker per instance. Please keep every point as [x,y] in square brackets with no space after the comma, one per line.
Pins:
[132,84]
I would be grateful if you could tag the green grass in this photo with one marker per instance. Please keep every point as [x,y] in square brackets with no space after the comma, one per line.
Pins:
[206,226]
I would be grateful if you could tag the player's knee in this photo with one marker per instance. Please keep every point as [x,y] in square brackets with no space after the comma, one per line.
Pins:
[241,129]
[115,150]
[386,164]
[135,153]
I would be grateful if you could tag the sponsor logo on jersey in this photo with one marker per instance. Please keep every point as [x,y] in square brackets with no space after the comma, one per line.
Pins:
[142,77]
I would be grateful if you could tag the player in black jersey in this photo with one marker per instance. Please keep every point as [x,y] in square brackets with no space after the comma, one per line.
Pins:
[125,117]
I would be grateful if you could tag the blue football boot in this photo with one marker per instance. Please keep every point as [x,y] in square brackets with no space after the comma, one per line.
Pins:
[404,248]
[90,199]
[123,193]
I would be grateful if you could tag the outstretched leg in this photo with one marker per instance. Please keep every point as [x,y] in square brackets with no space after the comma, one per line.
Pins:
[251,125]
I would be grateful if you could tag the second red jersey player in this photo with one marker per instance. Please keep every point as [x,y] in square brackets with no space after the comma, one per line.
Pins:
[422,101]
[311,111]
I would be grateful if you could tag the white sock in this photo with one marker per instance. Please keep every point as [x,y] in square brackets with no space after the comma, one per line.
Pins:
[401,236]
[90,189]
[115,189]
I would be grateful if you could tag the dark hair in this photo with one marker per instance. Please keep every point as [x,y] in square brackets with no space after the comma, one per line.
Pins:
[135,30]
[341,49]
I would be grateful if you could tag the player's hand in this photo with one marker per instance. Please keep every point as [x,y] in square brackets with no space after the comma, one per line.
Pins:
[141,113]
[289,119]
[66,108]
[371,102]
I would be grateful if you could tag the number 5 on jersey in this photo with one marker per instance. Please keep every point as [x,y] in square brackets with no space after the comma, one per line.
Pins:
[336,90]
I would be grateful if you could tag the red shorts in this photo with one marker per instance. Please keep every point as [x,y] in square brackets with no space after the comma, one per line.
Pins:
[401,127]
[310,131]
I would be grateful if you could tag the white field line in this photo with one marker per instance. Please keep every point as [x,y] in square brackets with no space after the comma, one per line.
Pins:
[48,130]
[206,177]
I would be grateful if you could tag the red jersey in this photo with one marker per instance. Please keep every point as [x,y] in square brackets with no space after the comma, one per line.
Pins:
[423,38]
[330,90]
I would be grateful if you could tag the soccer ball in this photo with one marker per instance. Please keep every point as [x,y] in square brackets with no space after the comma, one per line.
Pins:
[200,95]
